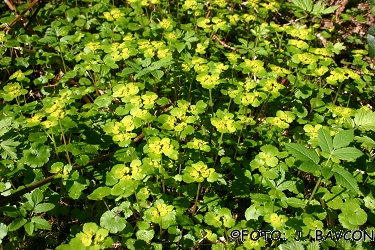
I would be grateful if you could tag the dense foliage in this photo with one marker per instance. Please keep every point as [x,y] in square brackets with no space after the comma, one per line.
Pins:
[150,124]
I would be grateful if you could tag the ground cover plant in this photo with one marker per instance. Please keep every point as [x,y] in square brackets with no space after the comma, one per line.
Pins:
[151,124]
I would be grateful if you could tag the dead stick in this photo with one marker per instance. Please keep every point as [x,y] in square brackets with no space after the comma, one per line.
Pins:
[49,179]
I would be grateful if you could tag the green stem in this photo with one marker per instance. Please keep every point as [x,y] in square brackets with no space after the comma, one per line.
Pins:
[230,100]
[62,58]
[162,176]
[196,199]
[238,142]
[211,103]
[220,141]
[139,204]
[54,144]
[161,228]
[337,93]
[66,146]
[260,183]
[315,189]
[191,83]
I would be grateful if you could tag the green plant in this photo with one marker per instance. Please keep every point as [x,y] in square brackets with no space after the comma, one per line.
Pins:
[170,124]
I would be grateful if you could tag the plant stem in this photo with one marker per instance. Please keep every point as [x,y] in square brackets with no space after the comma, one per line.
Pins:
[211,103]
[220,141]
[315,189]
[191,83]
[66,146]
[196,199]
[54,144]
[162,176]
[62,58]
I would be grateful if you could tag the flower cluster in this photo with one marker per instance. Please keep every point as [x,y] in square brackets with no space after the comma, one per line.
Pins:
[271,85]
[190,4]
[208,81]
[125,91]
[35,120]
[305,58]
[55,107]
[198,172]
[320,71]
[93,46]
[161,213]
[156,147]
[121,172]
[220,3]
[219,24]
[252,66]
[267,157]
[114,14]
[121,131]
[13,90]
[166,24]
[298,43]
[199,145]
[282,119]
[203,23]
[91,235]
[279,70]
[220,217]
[224,122]
[300,32]
[276,221]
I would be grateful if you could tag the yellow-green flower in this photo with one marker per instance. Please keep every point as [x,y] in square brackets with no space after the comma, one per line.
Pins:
[199,171]
[35,120]
[149,53]
[86,239]
[18,75]
[198,60]
[298,43]
[200,49]
[253,66]
[13,90]
[249,17]
[279,70]
[190,4]
[2,36]
[312,131]
[201,68]
[220,67]
[208,81]
[220,3]
[321,71]
[321,51]
[185,67]
[48,124]
[93,46]
[163,53]
[166,24]
[232,57]
[306,58]
[233,19]
[272,85]
[203,23]
[113,14]
[277,221]
[128,37]
[122,90]
[301,33]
